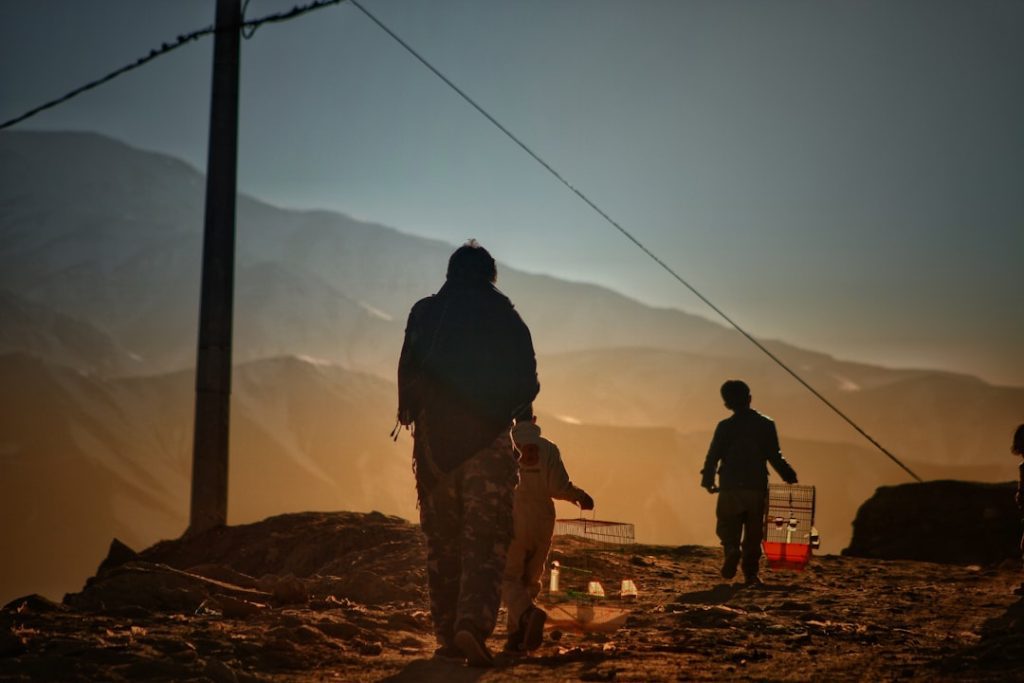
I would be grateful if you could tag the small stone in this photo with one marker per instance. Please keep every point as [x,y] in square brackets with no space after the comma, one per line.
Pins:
[118,554]
[236,608]
[307,634]
[338,629]
[11,644]
[219,672]
[34,603]
[286,589]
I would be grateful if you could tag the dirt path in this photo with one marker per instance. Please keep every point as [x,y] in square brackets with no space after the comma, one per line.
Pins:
[844,619]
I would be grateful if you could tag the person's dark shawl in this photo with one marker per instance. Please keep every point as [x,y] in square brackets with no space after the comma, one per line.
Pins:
[467,367]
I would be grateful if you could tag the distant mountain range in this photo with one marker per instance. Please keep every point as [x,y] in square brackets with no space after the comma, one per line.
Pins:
[83,459]
[86,458]
[99,284]
[112,235]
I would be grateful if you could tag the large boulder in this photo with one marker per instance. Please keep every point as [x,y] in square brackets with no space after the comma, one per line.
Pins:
[939,521]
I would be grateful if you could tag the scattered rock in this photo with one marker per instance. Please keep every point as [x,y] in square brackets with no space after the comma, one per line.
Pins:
[156,587]
[338,629]
[416,621]
[219,672]
[224,573]
[370,649]
[236,608]
[157,669]
[11,643]
[35,604]
[118,554]
[285,590]
[308,634]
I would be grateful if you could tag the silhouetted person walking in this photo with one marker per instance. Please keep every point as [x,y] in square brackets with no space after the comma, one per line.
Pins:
[467,367]
[739,450]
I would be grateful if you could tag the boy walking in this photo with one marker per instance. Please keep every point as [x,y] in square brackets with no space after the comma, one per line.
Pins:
[739,450]
[542,476]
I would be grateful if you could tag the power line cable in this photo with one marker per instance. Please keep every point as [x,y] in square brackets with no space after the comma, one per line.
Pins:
[629,235]
[299,10]
[181,40]
[153,54]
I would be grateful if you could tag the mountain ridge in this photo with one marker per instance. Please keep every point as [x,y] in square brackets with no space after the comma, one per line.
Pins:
[116,246]
[312,238]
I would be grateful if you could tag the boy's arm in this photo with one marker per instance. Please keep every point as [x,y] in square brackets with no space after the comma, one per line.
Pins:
[779,463]
[715,452]
[559,485]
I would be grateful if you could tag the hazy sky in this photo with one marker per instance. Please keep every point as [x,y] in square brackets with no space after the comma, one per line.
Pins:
[848,176]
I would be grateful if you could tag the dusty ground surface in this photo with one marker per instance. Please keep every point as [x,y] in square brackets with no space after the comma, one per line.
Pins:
[341,596]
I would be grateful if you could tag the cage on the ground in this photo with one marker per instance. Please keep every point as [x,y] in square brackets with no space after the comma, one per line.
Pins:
[789,533]
[585,591]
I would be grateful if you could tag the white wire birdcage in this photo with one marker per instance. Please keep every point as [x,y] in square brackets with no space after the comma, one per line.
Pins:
[619,533]
[581,603]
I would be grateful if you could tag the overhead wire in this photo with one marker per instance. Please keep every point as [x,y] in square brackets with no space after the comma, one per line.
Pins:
[181,40]
[248,28]
[628,235]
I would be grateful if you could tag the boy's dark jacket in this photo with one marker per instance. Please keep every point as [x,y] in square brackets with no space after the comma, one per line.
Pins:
[739,451]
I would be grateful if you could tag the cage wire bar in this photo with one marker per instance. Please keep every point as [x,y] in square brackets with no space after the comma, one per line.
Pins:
[619,533]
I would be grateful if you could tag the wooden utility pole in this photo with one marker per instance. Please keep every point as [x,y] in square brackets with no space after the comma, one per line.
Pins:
[213,363]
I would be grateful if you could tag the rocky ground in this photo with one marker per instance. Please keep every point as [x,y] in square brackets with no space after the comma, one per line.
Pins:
[340,596]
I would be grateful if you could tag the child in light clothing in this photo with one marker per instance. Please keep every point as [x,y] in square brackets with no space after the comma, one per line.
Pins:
[542,477]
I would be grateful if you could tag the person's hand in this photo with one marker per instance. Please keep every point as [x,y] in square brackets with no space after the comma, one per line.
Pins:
[585,501]
[791,480]
[710,488]
[405,417]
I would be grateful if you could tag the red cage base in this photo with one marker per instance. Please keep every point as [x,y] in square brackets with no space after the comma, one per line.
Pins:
[787,555]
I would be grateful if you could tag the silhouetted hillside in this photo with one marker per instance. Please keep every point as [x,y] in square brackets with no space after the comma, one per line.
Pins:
[939,521]
[342,595]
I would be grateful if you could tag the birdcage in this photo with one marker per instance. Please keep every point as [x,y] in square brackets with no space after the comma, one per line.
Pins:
[587,594]
[789,533]
[596,530]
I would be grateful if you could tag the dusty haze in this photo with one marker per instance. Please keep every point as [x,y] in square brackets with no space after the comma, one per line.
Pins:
[99,259]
